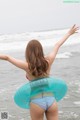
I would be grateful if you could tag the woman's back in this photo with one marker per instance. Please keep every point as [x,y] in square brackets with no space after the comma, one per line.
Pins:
[38,65]
[29,76]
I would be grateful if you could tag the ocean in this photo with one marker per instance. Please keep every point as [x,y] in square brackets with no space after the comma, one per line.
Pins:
[66,66]
[13,42]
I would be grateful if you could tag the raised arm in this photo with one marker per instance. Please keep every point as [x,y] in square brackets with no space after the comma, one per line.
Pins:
[52,55]
[18,63]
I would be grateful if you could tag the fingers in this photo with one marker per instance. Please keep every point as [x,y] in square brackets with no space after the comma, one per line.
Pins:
[75,28]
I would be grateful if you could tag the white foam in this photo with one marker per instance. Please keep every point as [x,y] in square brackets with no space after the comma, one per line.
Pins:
[3,90]
[64,55]
[77,103]
[11,116]
[74,114]
[60,112]
[79,87]
[47,38]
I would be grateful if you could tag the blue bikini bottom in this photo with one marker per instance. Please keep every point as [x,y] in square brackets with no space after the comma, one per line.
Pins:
[45,102]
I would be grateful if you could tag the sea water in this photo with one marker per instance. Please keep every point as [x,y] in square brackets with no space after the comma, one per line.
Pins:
[67,66]
[16,42]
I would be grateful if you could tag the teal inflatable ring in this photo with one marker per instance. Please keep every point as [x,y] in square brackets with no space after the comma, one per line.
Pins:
[49,84]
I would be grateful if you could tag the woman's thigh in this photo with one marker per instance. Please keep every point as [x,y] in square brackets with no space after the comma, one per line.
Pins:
[36,112]
[52,112]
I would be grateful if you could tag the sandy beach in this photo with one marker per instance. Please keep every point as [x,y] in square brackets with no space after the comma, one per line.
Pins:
[11,78]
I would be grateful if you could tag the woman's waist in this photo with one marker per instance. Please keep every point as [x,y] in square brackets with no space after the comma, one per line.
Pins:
[42,94]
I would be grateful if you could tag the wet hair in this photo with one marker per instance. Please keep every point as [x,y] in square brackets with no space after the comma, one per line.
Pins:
[37,64]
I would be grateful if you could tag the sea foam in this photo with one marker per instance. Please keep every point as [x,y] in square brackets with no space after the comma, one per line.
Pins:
[13,42]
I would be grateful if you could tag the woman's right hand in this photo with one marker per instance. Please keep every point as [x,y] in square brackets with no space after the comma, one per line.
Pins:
[73,30]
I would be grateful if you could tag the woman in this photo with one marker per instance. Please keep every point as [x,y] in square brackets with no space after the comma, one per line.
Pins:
[38,66]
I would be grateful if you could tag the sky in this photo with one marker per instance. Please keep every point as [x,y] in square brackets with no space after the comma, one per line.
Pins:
[18,16]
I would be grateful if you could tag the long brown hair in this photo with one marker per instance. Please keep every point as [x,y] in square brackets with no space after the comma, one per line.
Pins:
[37,64]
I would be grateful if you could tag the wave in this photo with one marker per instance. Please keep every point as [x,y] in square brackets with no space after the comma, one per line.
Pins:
[77,103]
[47,38]
[64,55]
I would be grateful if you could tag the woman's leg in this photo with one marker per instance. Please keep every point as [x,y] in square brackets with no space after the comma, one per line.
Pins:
[36,112]
[52,112]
